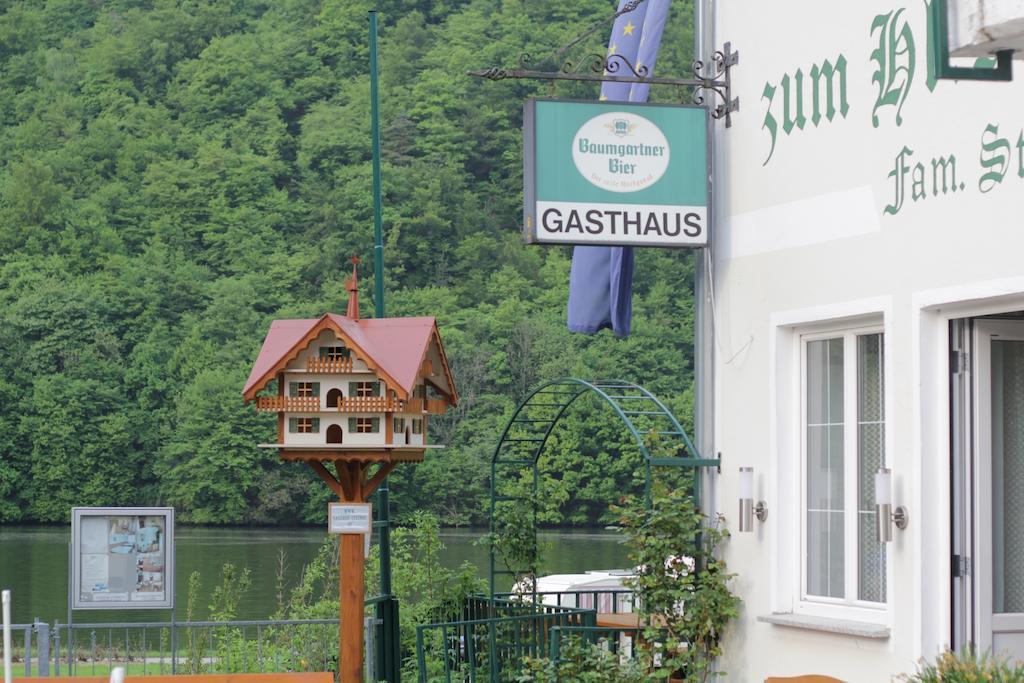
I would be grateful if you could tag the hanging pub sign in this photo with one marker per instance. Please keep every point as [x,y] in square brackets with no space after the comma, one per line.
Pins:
[615,173]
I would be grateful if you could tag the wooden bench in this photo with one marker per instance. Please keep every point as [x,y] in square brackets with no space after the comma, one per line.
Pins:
[317,677]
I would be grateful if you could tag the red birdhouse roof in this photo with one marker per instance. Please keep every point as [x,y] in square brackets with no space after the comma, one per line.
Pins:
[394,348]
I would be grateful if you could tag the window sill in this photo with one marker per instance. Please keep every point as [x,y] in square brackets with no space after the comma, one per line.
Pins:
[843,627]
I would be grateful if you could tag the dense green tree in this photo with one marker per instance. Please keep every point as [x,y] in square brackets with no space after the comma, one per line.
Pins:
[174,174]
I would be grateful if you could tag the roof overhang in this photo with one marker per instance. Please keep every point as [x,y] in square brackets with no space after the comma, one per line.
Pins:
[324,323]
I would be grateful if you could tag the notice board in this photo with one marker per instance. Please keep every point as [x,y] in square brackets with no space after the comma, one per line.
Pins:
[122,558]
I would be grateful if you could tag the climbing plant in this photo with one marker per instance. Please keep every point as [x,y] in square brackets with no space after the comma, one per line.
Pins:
[682,595]
[681,584]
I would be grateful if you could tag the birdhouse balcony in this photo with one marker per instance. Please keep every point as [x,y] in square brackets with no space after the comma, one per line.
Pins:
[368,404]
[290,404]
[358,404]
[436,406]
[329,365]
[425,405]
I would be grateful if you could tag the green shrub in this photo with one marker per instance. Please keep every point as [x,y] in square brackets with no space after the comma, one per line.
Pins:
[675,549]
[967,667]
[582,662]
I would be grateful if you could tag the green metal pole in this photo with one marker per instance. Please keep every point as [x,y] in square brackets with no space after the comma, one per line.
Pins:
[389,645]
[378,238]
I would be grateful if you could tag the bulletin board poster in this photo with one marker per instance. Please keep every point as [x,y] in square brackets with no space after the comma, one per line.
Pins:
[122,558]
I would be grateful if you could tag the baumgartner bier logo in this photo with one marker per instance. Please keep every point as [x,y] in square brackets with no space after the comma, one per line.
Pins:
[620,152]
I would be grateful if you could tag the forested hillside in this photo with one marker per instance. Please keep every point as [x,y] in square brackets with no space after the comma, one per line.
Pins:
[176,173]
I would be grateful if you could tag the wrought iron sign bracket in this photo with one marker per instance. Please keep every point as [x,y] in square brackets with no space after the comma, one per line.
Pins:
[618,69]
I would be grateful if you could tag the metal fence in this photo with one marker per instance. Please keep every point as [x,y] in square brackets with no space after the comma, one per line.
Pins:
[27,639]
[492,641]
[40,649]
[617,640]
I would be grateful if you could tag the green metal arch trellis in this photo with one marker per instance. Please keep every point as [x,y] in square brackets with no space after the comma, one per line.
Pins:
[528,429]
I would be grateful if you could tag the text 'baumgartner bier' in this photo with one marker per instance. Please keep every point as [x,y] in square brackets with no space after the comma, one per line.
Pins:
[615,174]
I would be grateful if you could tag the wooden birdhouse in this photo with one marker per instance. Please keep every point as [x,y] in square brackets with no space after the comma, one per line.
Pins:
[352,390]
[353,400]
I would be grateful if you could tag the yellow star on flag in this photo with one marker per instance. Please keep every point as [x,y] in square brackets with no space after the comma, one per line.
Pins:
[602,98]
[612,49]
[628,29]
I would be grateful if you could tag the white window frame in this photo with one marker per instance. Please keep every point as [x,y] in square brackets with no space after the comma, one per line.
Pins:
[848,607]
[784,466]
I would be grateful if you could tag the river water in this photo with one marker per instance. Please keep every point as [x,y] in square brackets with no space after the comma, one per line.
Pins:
[34,565]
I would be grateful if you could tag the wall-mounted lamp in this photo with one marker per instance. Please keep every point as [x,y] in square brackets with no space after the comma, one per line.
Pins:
[883,506]
[747,508]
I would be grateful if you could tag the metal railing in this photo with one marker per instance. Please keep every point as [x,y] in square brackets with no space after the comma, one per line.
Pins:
[492,641]
[196,647]
[171,647]
[618,640]
[23,653]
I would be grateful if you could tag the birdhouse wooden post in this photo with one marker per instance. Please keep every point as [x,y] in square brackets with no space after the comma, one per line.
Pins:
[353,399]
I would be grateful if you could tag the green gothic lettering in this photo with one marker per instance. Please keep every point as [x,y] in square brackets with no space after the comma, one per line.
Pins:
[948,166]
[828,73]
[895,59]
[943,179]
[769,121]
[917,190]
[787,99]
[828,96]
[899,173]
[1020,155]
[930,79]
[995,156]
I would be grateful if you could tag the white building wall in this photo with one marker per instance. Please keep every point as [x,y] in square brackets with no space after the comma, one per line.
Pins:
[328,418]
[414,439]
[329,381]
[806,236]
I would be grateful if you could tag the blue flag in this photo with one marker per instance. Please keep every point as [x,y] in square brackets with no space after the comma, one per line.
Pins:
[624,42]
[650,41]
[601,279]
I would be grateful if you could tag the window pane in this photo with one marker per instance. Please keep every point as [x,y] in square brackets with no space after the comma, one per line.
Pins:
[825,551]
[835,384]
[1007,476]
[870,456]
[817,382]
[825,499]
[869,377]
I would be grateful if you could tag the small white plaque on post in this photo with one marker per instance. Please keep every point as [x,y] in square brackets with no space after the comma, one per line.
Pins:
[349,518]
